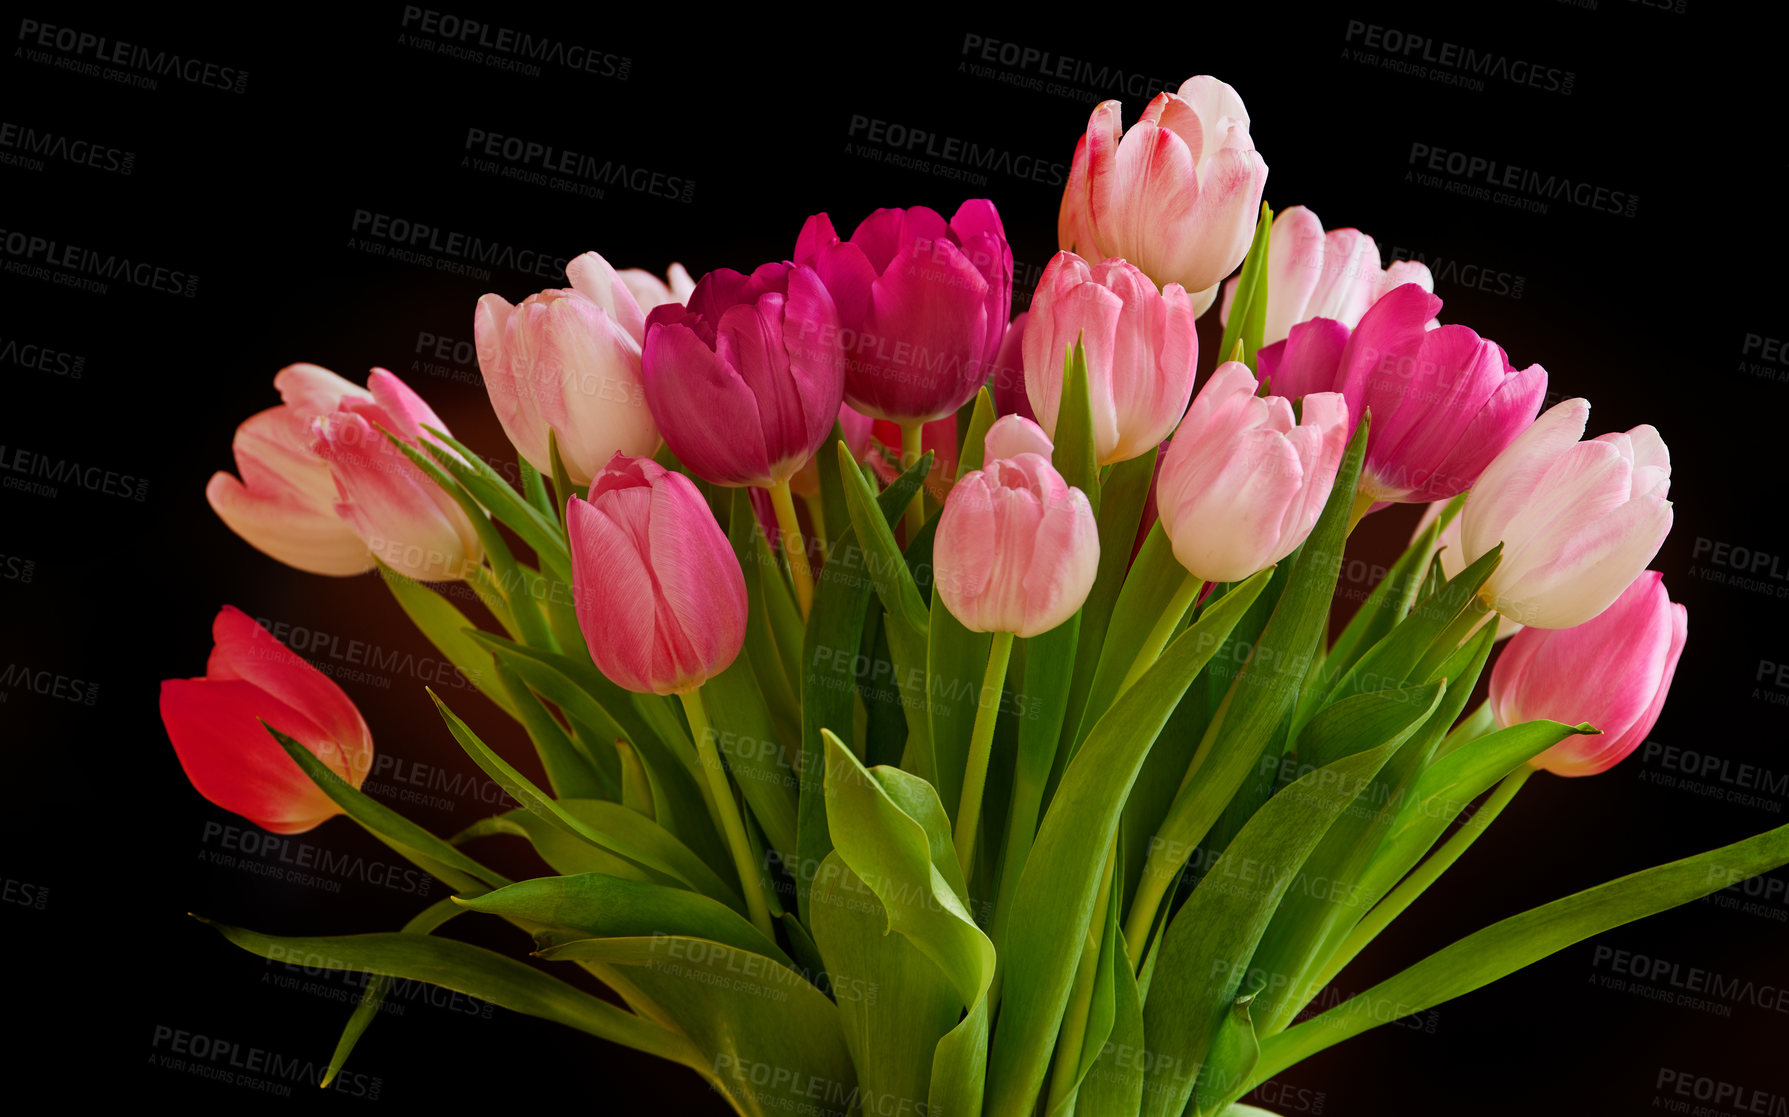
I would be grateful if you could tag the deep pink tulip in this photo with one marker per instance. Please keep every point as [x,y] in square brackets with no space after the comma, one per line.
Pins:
[1007,384]
[1017,548]
[659,594]
[1313,274]
[1444,401]
[402,516]
[857,428]
[1578,520]
[569,360]
[231,759]
[1612,671]
[284,505]
[1141,349]
[650,291]
[1242,483]
[922,304]
[1177,195]
[746,380]
[1012,435]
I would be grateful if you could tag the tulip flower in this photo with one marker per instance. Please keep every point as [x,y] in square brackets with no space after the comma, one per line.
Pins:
[568,360]
[1452,556]
[403,517]
[1012,435]
[1242,483]
[650,291]
[1444,401]
[215,725]
[1008,380]
[1313,274]
[1140,344]
[284,505]
[1578,520]
[658,592]
[1612,671]
[1016,554]
[1177,195]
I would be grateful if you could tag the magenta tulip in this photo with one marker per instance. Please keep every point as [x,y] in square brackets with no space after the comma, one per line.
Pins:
[1177,195]
[1242,483]
[1012,435]
[231,759]
[1140,344]
[1313,274]
[1578,520]
[1017,548]
[658,592]
[284,505]
[745,381]
[568,360]
[1612,671]
[922,305]
[402,516]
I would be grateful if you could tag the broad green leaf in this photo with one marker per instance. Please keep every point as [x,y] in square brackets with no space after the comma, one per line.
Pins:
[746,736]
[1113,1087]
[480,973]
[570,774]
[882,558]
[542,534]
[761,652]
[422,923]
[636,784]
[1251,297]
[1235,1049]
[434,856]
[1102,1009]
[446,627]
[885,711]
[956,662]
[563,489]
[1521,940]
[832,491]
[566,853]
[1075,456]
[975,434]
[534,487]
[770,1041]
[1057,892]
[597,905]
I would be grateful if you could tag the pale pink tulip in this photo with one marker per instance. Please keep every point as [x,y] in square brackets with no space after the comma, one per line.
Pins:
[1012,435]
[1578,520]
[658,592]
[1242,483]
[568,359]
[402,516]
[1177,195]
[1017,548]
[650,291]
[284,505]
[1612,671]
[1140,344]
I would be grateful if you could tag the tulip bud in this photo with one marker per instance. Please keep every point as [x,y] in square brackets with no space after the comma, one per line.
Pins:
[1012,435]
[746,381]
[1612,671]
[1242,483]
[284,505]
[650,291]
[215,725]
[922,305]
[658,591]
[402,516]
[1140,344]
[1578,520]
[1017,548]
[1177,195]
[568,360]
[1313,274]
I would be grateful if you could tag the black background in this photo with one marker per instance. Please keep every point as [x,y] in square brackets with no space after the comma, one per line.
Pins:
[255,193]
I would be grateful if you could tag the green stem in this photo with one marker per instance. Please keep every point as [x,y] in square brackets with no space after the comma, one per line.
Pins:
[817,516]
[1363,502]
[1021,831]
[750,882]
[1163,631]
[912,447]
[1063,1086]
[1425,874]
[981,743]
[794,549]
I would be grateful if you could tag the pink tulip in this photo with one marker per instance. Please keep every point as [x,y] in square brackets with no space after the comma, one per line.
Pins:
[401,515]
[1242,483]
[1017,548]
[1177,195]
[922,304]
[650,291]
[658,592]
[1444,401]
[568,360]
[1007,384]
[1313,274]
[746,381]
[1578,520]
[1140,345]
[856,427]
[231,759]
[1012,435]
[1612,671]
[284,505]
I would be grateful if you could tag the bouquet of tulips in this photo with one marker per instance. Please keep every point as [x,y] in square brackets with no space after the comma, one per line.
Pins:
[1014,768]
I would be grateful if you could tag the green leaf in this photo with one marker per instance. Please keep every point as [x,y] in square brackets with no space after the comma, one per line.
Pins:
[422,923]
[446,628]
[1235,1049]
[1075,456]
[1250,304]
[974,448]
[476,972]
[567,854]
[747,738]
[770,1041]
[1389,603]
[887,569]
[1521,940]
[421,848]
[534,487]
[569,772]
[761,651]
[1113,1087]
[563,489]
[636,784]
[543,534]
[1053,906]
